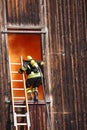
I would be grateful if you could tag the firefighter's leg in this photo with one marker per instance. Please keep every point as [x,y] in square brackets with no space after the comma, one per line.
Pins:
[35,90]
[29,93]
[36,84]
[28,90]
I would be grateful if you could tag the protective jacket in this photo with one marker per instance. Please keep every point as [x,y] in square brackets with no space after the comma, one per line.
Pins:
[32,69]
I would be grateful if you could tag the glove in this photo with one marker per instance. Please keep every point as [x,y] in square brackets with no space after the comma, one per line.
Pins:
[42,63]
[20,71]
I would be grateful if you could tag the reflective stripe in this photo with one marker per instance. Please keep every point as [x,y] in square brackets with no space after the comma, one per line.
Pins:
[23,68]
[28,67]
[35,89]
[28,90]
[33,75]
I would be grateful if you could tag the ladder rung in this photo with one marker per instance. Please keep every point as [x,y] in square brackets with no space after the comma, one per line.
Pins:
[21,124]
[19,106]
[17,80]
[19,97]
[18,101]
[14,72]
[21,115]
[12,63]
[17,88]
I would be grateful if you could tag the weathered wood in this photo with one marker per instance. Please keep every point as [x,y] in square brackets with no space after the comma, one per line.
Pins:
[64,50]
[67,39]
[23,12]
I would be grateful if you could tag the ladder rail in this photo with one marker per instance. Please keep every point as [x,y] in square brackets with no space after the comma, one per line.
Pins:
[12,95]
[28,117]
[27,114]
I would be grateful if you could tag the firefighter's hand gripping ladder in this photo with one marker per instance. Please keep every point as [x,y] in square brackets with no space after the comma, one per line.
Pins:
[15,99]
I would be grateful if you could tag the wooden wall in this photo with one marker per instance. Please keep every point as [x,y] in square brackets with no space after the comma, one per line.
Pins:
[23,11]
[67,25]
[65,53]
[3,72]
[26,12]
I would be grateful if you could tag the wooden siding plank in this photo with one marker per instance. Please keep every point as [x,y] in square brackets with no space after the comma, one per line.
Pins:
[38,117]
[72,74]
[23,11]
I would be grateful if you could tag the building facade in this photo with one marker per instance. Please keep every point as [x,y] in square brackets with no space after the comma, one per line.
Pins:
[62,26]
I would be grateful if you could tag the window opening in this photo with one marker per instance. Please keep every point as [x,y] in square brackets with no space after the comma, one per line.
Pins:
[25,44]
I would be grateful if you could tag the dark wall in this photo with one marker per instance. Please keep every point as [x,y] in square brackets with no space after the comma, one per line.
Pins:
[65,53]
[23,11]
[3,72]
[67,26]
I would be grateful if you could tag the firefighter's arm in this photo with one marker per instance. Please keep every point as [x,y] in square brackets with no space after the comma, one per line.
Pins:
[40,63]
[21,70]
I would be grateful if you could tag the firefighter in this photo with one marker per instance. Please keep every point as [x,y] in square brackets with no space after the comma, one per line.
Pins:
[34,76]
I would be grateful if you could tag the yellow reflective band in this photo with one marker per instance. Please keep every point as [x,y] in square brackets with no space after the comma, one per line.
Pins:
[34,75]
[35,89]
[28,90]
[23,68]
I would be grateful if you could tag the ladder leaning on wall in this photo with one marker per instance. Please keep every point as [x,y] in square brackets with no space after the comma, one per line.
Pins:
[21,115]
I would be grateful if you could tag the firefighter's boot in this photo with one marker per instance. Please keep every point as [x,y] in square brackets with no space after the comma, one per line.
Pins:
[35,96]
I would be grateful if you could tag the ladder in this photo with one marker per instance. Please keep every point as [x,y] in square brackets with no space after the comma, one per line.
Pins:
[20,110]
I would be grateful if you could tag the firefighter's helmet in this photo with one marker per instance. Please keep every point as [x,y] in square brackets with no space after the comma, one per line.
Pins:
[29,58]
